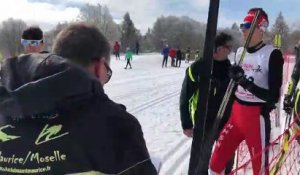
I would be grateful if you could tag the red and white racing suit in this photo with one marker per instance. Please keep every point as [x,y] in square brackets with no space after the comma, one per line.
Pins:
[249,118]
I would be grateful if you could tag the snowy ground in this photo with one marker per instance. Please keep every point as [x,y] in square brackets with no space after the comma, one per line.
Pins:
[151,94]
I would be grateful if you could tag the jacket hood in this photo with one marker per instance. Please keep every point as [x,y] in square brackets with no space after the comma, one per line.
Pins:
[36,83]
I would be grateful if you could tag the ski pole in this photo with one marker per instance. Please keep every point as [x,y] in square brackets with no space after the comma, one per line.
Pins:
[232,84]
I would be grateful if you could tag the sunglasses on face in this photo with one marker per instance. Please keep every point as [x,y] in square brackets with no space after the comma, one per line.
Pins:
[108,72]
[245,26]
[26,42]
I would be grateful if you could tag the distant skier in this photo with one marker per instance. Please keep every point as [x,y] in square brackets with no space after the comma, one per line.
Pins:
[165,53]
[259,80]
[172,54]
[128,57]
[187,55]
[178,57]
[117,50]
[137,47]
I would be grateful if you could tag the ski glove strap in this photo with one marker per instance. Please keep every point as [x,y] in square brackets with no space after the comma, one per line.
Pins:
[246,83]
[236,73]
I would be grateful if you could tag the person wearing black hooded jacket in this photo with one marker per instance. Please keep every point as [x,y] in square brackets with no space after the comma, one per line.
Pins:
[56,119]
[191,90]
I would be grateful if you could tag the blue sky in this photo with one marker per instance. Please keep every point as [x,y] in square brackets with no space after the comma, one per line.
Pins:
[237,8]
[47,13]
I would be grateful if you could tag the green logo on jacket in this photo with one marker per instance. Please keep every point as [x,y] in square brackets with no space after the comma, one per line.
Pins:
[4,137]
[49,133]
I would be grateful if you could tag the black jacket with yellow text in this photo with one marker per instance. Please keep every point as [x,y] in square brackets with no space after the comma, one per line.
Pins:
[56,119]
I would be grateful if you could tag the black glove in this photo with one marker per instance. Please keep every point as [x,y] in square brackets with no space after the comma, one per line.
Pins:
[236,73]
[288,104]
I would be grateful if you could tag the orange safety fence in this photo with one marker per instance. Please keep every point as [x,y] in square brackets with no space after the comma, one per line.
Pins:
[291,163]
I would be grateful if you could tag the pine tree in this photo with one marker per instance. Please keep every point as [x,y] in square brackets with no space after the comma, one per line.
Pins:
[281,27]
[129,34]
[235,27]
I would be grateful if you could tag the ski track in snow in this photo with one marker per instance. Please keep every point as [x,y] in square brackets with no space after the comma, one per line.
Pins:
[177,158]
[140,91]
[141,78]
[151,94]
[153,102]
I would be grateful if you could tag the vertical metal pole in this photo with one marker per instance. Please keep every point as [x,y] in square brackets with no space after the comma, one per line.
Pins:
[204,87]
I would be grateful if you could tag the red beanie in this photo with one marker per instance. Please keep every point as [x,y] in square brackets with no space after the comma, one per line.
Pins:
[263,21]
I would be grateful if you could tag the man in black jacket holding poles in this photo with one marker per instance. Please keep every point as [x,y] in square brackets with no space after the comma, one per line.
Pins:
[190,90]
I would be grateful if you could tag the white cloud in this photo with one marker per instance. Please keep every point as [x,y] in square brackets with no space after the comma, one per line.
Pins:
[36,12]
[47,13]
[200,3]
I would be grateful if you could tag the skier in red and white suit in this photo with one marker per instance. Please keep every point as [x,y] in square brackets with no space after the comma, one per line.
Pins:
[259,79]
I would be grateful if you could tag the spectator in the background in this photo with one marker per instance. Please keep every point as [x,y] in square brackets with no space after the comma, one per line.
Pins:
[128,57]
[137,47]
[178,57]
[165,53]
[172,54]
[117,50]
[188,55]
[32,40]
